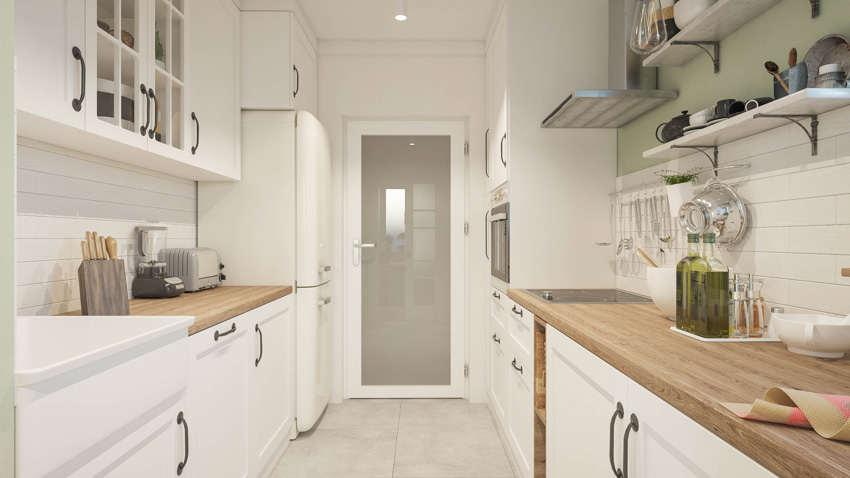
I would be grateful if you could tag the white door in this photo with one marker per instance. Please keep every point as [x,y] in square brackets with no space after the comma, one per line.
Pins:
[48,35]
[404,258]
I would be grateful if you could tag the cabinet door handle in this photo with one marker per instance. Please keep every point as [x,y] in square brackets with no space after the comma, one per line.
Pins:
[77,103]
[152,130]
[517,312]
[498,341]
[486,234]
[633,424]
[197,132]
[257,360]
[487,152]
[144,129]
[218,334]
[182,421]
[617,414]
[502,149]
[496,295]
[515,367]
[297,81]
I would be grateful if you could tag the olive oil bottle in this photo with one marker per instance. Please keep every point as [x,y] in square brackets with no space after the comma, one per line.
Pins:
[683,279]
[708,297]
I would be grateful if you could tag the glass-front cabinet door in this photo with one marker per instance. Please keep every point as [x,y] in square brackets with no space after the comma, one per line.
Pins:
[166,79]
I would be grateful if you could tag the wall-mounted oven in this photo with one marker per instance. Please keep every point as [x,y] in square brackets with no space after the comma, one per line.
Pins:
[499,234]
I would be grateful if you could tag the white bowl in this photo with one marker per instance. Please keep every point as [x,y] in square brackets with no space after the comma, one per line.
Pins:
[685,11]
[662,289]
[821,336]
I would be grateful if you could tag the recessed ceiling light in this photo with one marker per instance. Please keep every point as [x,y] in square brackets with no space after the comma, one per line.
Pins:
[413,144]
[401,10]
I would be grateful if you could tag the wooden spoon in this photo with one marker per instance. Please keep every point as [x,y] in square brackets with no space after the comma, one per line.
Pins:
[773,69]
[646,258]
[792,58]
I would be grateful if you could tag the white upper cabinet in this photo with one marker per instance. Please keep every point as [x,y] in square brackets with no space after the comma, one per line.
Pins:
[214,135]
[133,81]
[278,63]
[50,46]
[497,105]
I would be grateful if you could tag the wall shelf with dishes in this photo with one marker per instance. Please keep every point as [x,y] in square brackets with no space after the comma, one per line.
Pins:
[807,103]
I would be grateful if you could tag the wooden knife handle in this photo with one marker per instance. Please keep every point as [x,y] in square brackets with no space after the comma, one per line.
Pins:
[85,247]
[103,247]
[112,247]
[98,254]
[90,244]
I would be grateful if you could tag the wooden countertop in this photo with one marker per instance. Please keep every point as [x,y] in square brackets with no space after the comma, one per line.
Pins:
[696,377]
[209,307]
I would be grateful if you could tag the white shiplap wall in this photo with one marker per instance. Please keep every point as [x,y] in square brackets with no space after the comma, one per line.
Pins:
[64,193]
[799,236]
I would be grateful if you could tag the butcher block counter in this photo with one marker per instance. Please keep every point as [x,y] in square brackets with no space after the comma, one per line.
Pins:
[696,377]
[209,307]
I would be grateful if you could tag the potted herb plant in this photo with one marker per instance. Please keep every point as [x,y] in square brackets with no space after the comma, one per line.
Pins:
[680,187]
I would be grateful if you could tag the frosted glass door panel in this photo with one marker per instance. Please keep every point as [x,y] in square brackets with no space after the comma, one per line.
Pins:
[406,316]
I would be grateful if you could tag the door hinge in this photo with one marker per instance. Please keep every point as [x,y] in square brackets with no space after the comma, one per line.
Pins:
[466,228]
[466,370]
[466,148]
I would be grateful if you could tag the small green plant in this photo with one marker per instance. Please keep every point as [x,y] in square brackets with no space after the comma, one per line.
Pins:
[160,50]
[673,177]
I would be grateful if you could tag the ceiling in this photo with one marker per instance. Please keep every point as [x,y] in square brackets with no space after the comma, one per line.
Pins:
[426,19]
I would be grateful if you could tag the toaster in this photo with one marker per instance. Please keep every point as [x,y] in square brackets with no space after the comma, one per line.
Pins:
[199,268]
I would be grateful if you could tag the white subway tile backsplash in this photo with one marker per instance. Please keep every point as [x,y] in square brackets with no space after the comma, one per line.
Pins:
[26,227]
[843,214]
[765,190]
[799,212]
[832,299]
[821,182]
[27,181]
[821,239]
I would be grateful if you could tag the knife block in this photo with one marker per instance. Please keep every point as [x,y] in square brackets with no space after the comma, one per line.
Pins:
[103,287]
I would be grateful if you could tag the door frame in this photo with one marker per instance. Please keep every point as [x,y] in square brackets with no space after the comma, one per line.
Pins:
[355,129]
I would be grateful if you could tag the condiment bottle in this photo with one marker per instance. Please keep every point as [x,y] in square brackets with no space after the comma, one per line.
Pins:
[683,278]
[709,297]
[740,327]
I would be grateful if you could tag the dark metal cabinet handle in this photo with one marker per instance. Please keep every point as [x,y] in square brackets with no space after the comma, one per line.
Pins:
[77,103]
[144,129]
[218,334]
[515,367]
[155,113]
[182,421]
[496,295]
[517,312]
[297,81]
[487,152]
[617,414]
[633,424]
[502,149]
[257,360]
[486,233]
[197,132]
[498,341]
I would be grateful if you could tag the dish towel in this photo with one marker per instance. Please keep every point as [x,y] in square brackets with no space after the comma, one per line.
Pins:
[829,415]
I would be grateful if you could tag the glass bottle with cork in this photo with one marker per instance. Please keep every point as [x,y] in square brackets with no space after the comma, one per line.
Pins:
[683,278]
[708,297]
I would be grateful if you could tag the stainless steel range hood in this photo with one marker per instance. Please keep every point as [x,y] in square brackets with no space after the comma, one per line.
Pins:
[632,88]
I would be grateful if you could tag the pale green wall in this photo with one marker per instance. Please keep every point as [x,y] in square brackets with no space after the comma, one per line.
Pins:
[7,252]
[742,76]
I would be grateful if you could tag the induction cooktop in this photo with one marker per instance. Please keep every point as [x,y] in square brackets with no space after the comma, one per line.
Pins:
[589,296]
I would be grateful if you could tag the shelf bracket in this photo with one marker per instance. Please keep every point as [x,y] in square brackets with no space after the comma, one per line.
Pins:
[813,135]
[815,8]
[714,161]
[715,58]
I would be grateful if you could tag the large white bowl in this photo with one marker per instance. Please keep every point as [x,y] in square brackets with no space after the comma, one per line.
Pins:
[685,11]
[662,289]
[821,336]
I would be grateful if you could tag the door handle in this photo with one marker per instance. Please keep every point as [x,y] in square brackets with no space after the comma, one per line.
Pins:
[197,133]
[487,152]
[182,421]
[496,295]
[502,149]
[515,367]
[364,246]
[517,312]
[633,425]
[218,334]
[257,360]
[356,253]
[617,414]
[498,341]
[144,129]
[297,81]
[325,269]
[324,301]
[155,114]
[486,235]
[77,103]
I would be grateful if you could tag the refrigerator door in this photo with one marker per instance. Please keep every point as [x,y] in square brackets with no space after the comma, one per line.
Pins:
[313,348]
[313,200]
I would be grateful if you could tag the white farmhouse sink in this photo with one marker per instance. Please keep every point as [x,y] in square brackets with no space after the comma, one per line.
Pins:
[80,380]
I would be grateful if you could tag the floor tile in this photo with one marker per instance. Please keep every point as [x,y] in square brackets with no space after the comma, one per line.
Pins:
[460,453]
[334,453]
[363,413]
[444,414]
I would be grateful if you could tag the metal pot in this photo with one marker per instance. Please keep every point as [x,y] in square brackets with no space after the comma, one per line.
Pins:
[718,207]
[675,128]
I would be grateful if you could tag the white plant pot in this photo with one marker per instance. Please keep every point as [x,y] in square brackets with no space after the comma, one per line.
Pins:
[677,195]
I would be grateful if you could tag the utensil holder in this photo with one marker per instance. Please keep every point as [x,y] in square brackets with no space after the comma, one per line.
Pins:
[103,287]
[796,78]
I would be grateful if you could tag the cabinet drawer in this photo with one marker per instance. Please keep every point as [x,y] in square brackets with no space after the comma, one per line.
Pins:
[521,414]
[521,331]
[498,307]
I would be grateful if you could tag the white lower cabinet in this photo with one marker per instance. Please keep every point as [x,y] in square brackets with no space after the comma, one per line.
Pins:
[499,374]
[521,415]
[592,410]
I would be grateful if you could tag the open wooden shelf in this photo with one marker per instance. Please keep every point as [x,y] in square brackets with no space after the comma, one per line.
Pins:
[811,101]
[715,24]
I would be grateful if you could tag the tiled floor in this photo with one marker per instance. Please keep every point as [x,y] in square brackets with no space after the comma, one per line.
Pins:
[399,438]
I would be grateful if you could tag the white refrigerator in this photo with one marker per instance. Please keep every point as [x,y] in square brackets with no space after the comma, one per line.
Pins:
[274,228]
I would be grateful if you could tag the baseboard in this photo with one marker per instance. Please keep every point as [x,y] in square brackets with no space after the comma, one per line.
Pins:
[282,447]
[509,451]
